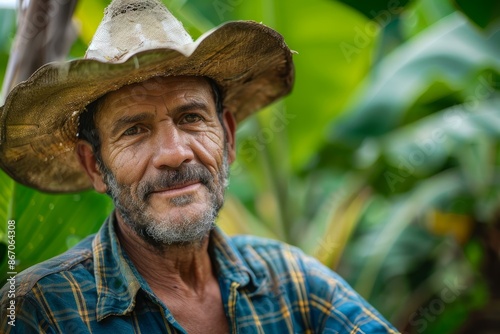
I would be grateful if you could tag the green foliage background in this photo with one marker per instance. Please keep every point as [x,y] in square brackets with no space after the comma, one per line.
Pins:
[383,162]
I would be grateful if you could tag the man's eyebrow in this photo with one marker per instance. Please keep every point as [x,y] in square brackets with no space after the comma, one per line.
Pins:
[192,105]
[127,120]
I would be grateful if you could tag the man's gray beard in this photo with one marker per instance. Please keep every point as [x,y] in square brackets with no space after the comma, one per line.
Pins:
[161,233]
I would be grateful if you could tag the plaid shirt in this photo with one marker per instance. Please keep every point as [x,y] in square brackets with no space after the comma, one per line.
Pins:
[266,287]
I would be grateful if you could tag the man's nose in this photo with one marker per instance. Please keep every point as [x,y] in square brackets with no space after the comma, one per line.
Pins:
[172,148]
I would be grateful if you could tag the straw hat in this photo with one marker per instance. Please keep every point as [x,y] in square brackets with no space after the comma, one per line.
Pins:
[135,41]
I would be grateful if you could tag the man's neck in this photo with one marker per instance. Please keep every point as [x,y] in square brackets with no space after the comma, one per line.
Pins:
[181,270]
[182,278]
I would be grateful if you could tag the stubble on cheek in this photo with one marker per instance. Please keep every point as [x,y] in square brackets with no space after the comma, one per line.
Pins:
[161,228]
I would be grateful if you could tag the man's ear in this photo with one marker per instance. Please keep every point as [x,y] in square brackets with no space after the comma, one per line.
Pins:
[88,161]
[230,126]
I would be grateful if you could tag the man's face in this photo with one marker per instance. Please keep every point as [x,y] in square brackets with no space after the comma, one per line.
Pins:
[165,158]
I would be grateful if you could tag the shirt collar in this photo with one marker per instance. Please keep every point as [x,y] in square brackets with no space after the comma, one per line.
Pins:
[116,283]
[117,280]
[231,265]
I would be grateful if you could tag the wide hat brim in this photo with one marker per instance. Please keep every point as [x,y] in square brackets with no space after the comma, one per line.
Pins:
[39,120]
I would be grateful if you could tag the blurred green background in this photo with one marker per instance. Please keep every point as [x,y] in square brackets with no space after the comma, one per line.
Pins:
[384,162]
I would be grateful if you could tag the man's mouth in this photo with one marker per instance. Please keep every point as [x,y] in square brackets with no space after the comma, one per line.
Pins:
[177,189]
[171,183]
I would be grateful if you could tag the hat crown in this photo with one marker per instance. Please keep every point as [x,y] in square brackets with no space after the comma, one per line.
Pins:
[131,26]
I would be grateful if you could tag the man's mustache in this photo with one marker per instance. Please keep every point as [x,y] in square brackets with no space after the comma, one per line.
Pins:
[175,177]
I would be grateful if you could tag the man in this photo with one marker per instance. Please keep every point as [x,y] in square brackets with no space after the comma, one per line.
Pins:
[152,117]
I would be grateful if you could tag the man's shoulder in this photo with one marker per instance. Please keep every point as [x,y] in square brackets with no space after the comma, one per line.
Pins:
[272,257]
[242,241]
[269,254]
[250,246]
[78,258]
[289,273]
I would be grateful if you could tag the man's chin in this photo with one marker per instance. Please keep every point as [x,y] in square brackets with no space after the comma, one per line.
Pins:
[181,201]
[178,209]
[176,235]
[159,203]
[184,224]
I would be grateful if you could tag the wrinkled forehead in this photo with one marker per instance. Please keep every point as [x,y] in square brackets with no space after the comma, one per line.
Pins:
[164,89]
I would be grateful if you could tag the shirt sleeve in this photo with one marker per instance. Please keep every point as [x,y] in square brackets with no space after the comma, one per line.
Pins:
[24,318]
[335,306]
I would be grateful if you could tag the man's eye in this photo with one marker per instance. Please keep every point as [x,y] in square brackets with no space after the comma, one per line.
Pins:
[190,118]
[134,130]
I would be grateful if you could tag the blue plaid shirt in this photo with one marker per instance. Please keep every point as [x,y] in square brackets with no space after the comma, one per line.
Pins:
[266,287]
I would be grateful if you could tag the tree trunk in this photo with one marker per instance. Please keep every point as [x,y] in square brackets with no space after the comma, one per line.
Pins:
[44,34]
[487,319]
